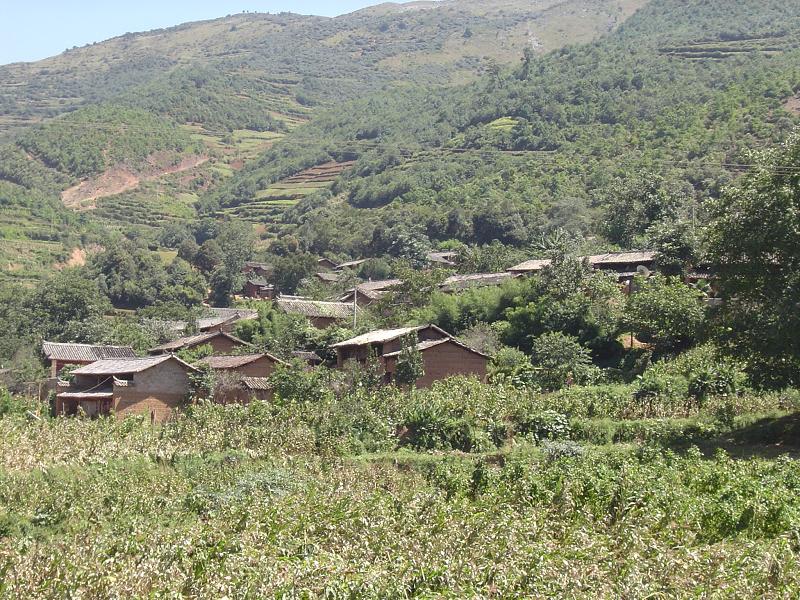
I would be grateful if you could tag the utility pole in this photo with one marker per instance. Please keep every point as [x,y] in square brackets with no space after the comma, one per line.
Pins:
[355,305]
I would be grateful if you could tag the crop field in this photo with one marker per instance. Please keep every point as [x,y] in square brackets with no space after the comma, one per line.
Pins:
[28,260]
[718,50]
[462,491]
[269,203]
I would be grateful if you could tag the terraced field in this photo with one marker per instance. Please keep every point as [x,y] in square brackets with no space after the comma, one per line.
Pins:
[173,196]
[29,260]
[720,50]
[269,203]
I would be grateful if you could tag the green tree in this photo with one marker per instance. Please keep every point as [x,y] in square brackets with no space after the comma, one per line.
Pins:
[561,360]
[754,244]
[208,257]
[634,204]
[410,366]
[65,301]
[290,271]
[664,312]
[674,244]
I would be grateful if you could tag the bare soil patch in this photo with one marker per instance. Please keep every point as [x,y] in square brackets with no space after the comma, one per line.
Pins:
[793,105]
[121,179]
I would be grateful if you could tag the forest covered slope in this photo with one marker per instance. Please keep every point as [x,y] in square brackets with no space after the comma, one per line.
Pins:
[110,128]
[457,121]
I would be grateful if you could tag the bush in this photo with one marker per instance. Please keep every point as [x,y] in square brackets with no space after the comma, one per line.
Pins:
[547,425]
[561,360]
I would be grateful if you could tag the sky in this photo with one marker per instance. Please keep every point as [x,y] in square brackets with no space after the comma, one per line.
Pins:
[35,29]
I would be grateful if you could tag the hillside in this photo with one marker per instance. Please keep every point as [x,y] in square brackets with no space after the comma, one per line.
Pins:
[133,131]
[677,95]
[287,62]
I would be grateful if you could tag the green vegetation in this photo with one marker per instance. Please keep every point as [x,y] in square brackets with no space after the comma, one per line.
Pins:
[636,443]
[362,495]
[619,137]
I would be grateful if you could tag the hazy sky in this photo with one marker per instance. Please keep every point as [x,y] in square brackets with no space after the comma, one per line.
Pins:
[35,29]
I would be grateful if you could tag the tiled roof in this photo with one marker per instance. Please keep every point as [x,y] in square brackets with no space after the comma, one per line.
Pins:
[462,282]
[373,290]
[381,336]
[622,258]
[96,395]
[349,296]
[241,314]
[311,357]
[220,316]
[428,344]
[379,286]
[194,340]
[352,263]
[328,277]
[256,383]
[126,366]
[234,362]
[377,337]
[258,281]
[445,258]
[530,266]
[315,308]
[84,352]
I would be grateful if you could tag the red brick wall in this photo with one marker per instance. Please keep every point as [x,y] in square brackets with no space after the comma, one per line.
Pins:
[447,360]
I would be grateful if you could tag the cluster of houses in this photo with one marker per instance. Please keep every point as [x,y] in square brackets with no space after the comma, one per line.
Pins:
[624,265]
[102,380]
[109,379]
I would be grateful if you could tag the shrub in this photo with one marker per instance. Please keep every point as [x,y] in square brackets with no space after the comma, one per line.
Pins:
[547,425]
[561,360]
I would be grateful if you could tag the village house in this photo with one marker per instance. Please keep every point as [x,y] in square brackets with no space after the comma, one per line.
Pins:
[224,319]
[326,264]
[530,267]
[311,359]
[441,359]
[258,288]
[321,314]
[155,386]
[257,269]
[242,378]
[325,277]
[246,365]
[460,283]
[353,264]
[220,342]
[215,319]
[626,265]
[369,292]
[442,355]
[442,259]
[257,388]
[59,355]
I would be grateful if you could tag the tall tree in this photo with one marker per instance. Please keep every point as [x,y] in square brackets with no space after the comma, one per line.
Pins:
[755,245]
